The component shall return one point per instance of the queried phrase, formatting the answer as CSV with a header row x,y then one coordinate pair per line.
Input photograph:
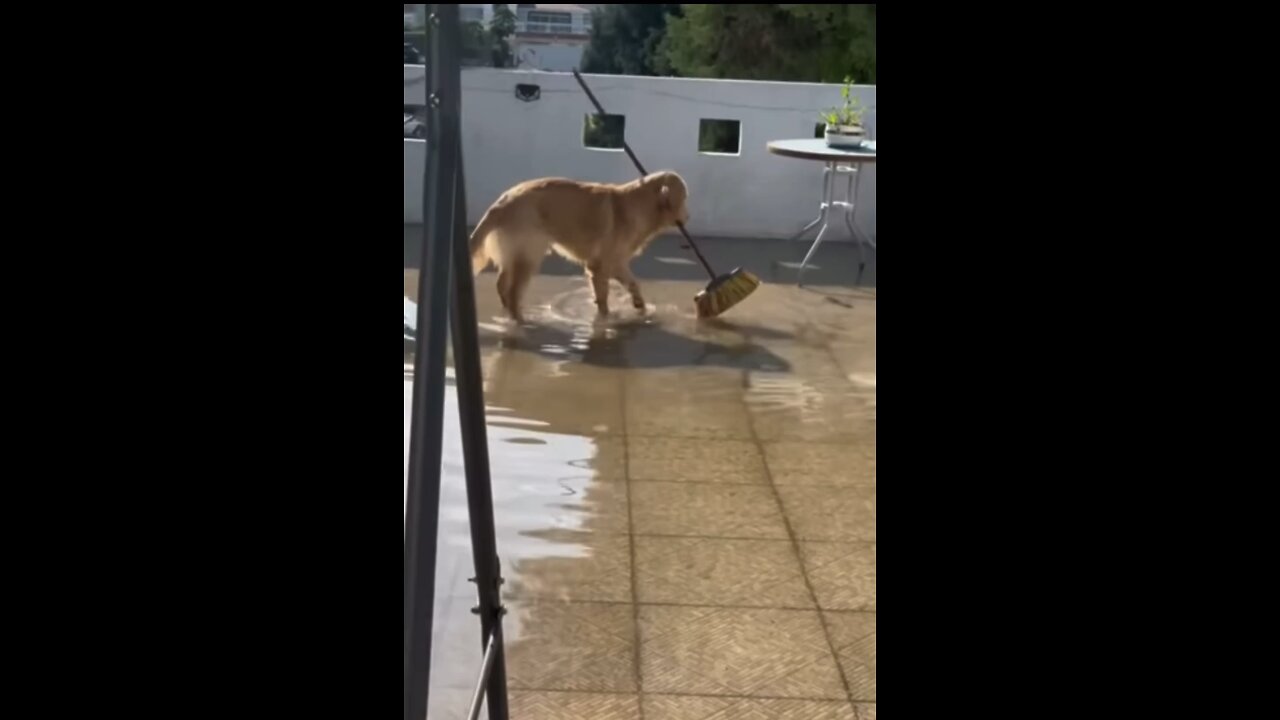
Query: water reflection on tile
x,y
597,569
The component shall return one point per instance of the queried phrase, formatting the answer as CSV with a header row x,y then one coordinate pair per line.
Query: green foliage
x,y
604,131
848,114
625,38
477,44
720,136
489,46
806,43
502,27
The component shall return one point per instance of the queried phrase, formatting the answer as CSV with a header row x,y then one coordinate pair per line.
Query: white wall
x,y
558,57
754,195
415,160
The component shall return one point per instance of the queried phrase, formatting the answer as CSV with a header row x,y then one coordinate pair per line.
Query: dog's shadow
x,y
644,344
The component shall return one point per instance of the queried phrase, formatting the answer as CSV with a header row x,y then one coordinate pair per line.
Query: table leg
x,y
850,218
822,207
828,190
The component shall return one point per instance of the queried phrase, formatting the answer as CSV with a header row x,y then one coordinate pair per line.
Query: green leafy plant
x,y
848,114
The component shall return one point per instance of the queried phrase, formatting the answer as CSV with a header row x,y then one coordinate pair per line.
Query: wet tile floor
x,y
686,511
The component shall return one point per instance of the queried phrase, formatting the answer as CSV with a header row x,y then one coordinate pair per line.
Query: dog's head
x,y
672,197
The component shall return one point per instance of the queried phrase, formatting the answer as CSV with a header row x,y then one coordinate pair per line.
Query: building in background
x,y
548,36
476,13
551,37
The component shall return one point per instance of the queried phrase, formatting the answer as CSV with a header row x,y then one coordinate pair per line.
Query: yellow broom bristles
x,y
725,292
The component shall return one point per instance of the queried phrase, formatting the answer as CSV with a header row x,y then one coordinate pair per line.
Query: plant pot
x,y
845,136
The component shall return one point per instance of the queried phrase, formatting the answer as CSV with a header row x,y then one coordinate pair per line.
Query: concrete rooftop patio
x,y
686,510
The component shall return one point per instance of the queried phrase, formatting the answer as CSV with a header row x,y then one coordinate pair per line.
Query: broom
x,y
724,291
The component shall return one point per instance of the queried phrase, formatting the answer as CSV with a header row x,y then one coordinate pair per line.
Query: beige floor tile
x,y
854,637
825,424
792,463
573,566
686,418
667,707
690,509
770,653
866,711
686,707
573,706
843,575
696,460
696,571
580,646
832,514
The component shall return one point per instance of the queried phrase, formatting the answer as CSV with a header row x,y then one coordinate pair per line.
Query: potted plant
x,y
844,124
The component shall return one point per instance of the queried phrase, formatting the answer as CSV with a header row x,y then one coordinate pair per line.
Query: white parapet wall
x,y
750,195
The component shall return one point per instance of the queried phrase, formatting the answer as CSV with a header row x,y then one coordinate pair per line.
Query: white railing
x,y
749,195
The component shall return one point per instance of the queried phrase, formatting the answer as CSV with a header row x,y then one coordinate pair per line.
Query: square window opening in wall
x,y
720,137
603,132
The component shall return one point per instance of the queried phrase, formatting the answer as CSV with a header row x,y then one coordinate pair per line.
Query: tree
x,y
625,38
502,27
477,44
810,43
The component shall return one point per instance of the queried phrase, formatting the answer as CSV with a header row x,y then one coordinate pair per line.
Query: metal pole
x,y
475,448
491,651
422,515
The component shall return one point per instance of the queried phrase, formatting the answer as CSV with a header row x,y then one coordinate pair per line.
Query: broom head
x,y
724,292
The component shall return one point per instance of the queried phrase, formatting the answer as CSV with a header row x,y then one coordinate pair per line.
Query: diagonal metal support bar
x,y
492,650
446,272
475,448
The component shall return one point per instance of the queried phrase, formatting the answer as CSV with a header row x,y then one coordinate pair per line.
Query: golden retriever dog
x,y
599,226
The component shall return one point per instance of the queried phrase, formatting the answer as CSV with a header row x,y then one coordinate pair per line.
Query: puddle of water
x,y
555,497
562,393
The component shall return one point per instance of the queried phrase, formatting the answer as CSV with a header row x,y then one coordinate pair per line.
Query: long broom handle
x,y
600,109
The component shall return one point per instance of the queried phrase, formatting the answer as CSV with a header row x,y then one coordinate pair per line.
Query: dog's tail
x,y
479,246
